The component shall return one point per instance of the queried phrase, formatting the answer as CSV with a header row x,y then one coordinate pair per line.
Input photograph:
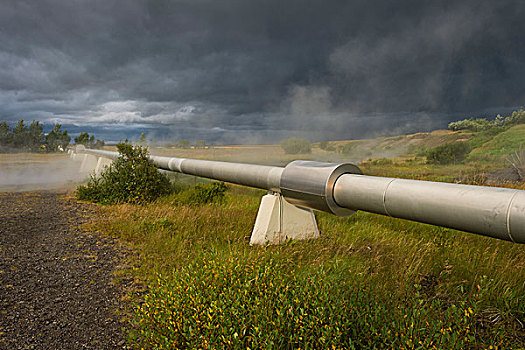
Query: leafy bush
x,y
517,117
227,303
296,145
471,124
202,194
481,124
132,178
448,153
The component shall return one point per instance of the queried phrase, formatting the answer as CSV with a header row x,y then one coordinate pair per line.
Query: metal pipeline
x,y
341,189
489,211
259,176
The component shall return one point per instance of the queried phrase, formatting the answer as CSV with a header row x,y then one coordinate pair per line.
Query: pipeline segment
x,y
341,189
252,175
489,211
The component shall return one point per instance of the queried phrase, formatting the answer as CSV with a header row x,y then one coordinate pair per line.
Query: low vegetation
x,y
202,193
296,145
448,153
368,282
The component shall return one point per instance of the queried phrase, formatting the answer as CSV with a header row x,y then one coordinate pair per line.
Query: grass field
x,y
368,282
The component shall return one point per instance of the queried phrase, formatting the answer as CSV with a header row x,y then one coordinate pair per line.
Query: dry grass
x,y
388,255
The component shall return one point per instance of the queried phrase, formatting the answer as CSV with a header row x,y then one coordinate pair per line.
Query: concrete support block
x,y
89,163
101,164
278,220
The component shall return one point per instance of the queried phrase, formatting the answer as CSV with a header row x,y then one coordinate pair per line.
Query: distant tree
x,y
5,136
82,139
471,124
296,145
20,133
63,138
200,144
57,139
32,138
51,141
88,141
35,136
481,124
184,144
517,117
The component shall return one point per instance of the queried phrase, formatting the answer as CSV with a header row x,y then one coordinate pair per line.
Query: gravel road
x,y
56,289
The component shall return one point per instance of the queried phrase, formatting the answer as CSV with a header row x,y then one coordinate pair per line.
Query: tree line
x,y
31,138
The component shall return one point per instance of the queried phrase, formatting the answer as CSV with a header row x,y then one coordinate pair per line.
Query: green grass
x,y
503,143
368,282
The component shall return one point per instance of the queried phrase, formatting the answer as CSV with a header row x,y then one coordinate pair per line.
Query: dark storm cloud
x,y
256,71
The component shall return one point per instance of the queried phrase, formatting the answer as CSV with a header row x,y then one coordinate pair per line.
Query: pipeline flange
x,y
310,184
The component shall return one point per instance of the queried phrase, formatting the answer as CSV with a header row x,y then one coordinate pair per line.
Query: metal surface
x,y
259,176
490,211
340,189
310,184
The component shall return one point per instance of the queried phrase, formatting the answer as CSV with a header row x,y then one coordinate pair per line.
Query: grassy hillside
x,y
502,144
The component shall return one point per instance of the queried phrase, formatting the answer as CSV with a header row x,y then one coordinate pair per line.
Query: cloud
x,y
265,69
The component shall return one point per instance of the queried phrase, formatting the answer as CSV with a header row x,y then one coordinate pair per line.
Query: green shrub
x,y
481,124
132,178
227,303
296,145
471,124
448,153
202,194
517,117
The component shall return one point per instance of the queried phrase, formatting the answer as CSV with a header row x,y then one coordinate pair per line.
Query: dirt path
x,y
56,289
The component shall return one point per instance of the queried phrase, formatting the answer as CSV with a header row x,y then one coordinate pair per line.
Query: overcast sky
x,y
259,70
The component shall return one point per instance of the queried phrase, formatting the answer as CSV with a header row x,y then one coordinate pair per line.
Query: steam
x,y
38,172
